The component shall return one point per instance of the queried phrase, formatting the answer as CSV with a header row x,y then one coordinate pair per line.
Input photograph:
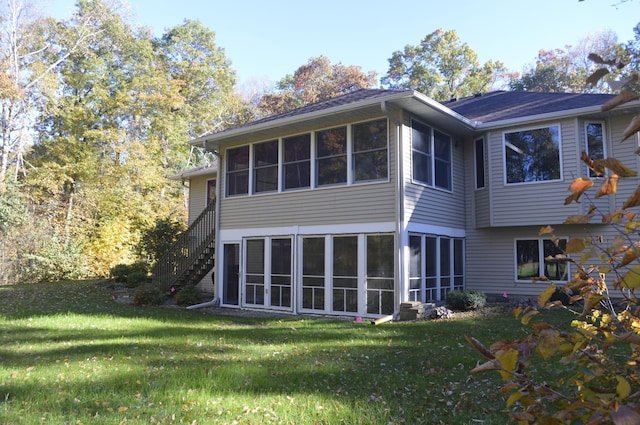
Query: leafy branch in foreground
x,y
595,375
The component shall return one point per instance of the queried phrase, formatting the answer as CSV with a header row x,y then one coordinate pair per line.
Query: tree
x,y
441,67
315,81
566,70
599,355
31,48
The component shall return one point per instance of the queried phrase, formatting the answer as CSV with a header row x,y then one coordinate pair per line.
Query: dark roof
x,y
345,99
503,105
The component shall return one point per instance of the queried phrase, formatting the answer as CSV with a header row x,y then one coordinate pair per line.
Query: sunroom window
x,y
532,155
370,150
331,156
265,166
297,161
238,171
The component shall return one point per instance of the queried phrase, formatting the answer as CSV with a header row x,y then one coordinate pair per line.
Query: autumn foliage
x,y
596,361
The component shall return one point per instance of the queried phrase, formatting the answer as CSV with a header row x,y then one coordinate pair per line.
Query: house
x,y
354,205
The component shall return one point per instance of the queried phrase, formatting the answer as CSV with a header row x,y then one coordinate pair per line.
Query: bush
x,y
189,295
131,274
148,294
466,300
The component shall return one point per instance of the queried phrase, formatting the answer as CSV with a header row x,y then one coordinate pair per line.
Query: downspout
x,y
399,203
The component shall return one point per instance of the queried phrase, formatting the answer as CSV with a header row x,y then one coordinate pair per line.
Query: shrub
x,y
131,274
148,294
189,295
466,300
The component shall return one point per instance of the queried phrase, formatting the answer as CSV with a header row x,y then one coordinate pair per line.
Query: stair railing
x,y
178,261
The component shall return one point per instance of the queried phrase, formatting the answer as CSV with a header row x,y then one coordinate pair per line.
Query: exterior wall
x,y
342,204
428,205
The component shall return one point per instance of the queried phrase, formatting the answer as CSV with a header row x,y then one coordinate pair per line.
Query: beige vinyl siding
x,y
427,205
625,152
197,196
367,202
538,203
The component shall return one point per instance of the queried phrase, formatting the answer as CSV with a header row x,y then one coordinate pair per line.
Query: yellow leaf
x,y
513,398
623,97
577,219
575,246
578,187
487,366
634,200
623,388
548,343
631,280
526,318
508,360
608,186
546,230
630,255
598,169
546,294
617,167
632,128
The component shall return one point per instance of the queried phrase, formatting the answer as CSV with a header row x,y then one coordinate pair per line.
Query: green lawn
x,y
69,354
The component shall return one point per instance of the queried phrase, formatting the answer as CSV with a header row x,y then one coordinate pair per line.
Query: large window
x,y
342,155
238,171
436,266
254,287
370,150
280,281
594,135
265,166
297,161
331,156
541,257
532,155
431,156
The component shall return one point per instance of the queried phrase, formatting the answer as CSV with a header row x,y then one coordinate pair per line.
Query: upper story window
x,y
348,154
479,167
532,155
594,135
265,167
238,171
331,156
431,156
296,164
370,151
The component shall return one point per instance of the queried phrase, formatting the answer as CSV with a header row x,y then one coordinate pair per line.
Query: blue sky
x,y
265,40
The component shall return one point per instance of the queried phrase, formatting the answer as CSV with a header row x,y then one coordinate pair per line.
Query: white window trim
x,y
540,258
313,158
504,154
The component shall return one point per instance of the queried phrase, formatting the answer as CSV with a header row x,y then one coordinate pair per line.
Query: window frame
x,y
586,141
431,157
515,148
370,151
349,161
297,162
541,259
257,168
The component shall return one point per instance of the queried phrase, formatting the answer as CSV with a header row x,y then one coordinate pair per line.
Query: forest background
x,y
96,113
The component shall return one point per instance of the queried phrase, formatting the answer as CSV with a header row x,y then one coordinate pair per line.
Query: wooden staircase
x,y
191,257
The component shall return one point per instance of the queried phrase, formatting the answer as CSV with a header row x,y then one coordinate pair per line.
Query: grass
x,y
69,354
